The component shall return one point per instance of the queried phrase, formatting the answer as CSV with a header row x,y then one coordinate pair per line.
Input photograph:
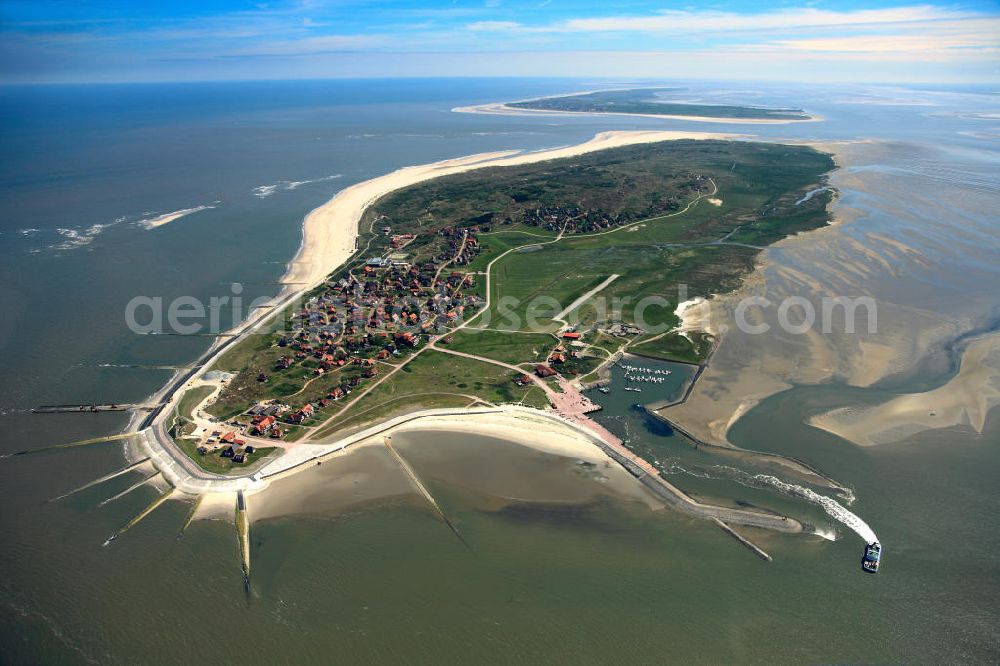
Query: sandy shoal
x,y
329,232
501,109
361,475
166,218
745,369
547,435
965,400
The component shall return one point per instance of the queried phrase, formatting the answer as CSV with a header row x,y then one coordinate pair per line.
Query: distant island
x,y
644,101
432,310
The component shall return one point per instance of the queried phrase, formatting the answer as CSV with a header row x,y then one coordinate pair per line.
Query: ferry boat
x,y
873,553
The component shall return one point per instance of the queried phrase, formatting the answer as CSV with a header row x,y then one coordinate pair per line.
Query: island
x,y
512,285
645,102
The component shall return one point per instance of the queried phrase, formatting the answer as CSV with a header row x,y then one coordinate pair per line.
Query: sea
x,y
576,574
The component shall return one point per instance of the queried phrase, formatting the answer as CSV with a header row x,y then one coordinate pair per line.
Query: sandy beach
x,y
542,434
695,315
329,232
364,472
501,109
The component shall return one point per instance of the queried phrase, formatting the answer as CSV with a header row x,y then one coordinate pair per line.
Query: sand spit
x,y
963,401
329,232
501,109
160,220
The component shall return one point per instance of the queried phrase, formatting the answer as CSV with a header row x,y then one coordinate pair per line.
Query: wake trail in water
x,y
832,507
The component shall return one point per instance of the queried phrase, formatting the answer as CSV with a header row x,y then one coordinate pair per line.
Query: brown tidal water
x,y
593,578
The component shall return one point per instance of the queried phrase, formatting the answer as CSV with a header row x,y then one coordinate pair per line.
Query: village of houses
x,y
352,329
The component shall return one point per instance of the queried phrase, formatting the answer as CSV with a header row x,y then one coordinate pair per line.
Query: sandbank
x,y
160,220
965,400
501,109
363,472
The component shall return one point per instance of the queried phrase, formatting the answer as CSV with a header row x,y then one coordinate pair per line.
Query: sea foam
x,y
262,191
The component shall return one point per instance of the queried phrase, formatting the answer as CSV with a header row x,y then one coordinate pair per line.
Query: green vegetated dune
x,y
644,101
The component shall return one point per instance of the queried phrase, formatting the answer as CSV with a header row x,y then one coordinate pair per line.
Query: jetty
x,y
572,407
92,408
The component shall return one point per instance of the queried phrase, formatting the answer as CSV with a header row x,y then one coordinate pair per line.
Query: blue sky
x,y
183,40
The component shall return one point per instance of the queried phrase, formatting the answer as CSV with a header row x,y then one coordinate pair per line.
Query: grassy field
x,y
675,347
432,380
215,463
513,348
190,399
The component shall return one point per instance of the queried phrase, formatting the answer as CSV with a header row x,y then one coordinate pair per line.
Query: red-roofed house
x,y
544,370
264,425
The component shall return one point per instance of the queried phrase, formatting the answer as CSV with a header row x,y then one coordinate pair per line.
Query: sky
x,y
46,41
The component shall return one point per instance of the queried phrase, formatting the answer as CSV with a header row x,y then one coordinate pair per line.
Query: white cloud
x,y
677,21
885,43
493,26
914,29
311,45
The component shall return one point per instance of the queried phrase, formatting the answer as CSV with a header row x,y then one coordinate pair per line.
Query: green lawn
x,y
215,463
432,380
191,398
508,347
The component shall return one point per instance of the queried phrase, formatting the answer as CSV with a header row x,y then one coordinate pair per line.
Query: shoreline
x,y
708,415
520,425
